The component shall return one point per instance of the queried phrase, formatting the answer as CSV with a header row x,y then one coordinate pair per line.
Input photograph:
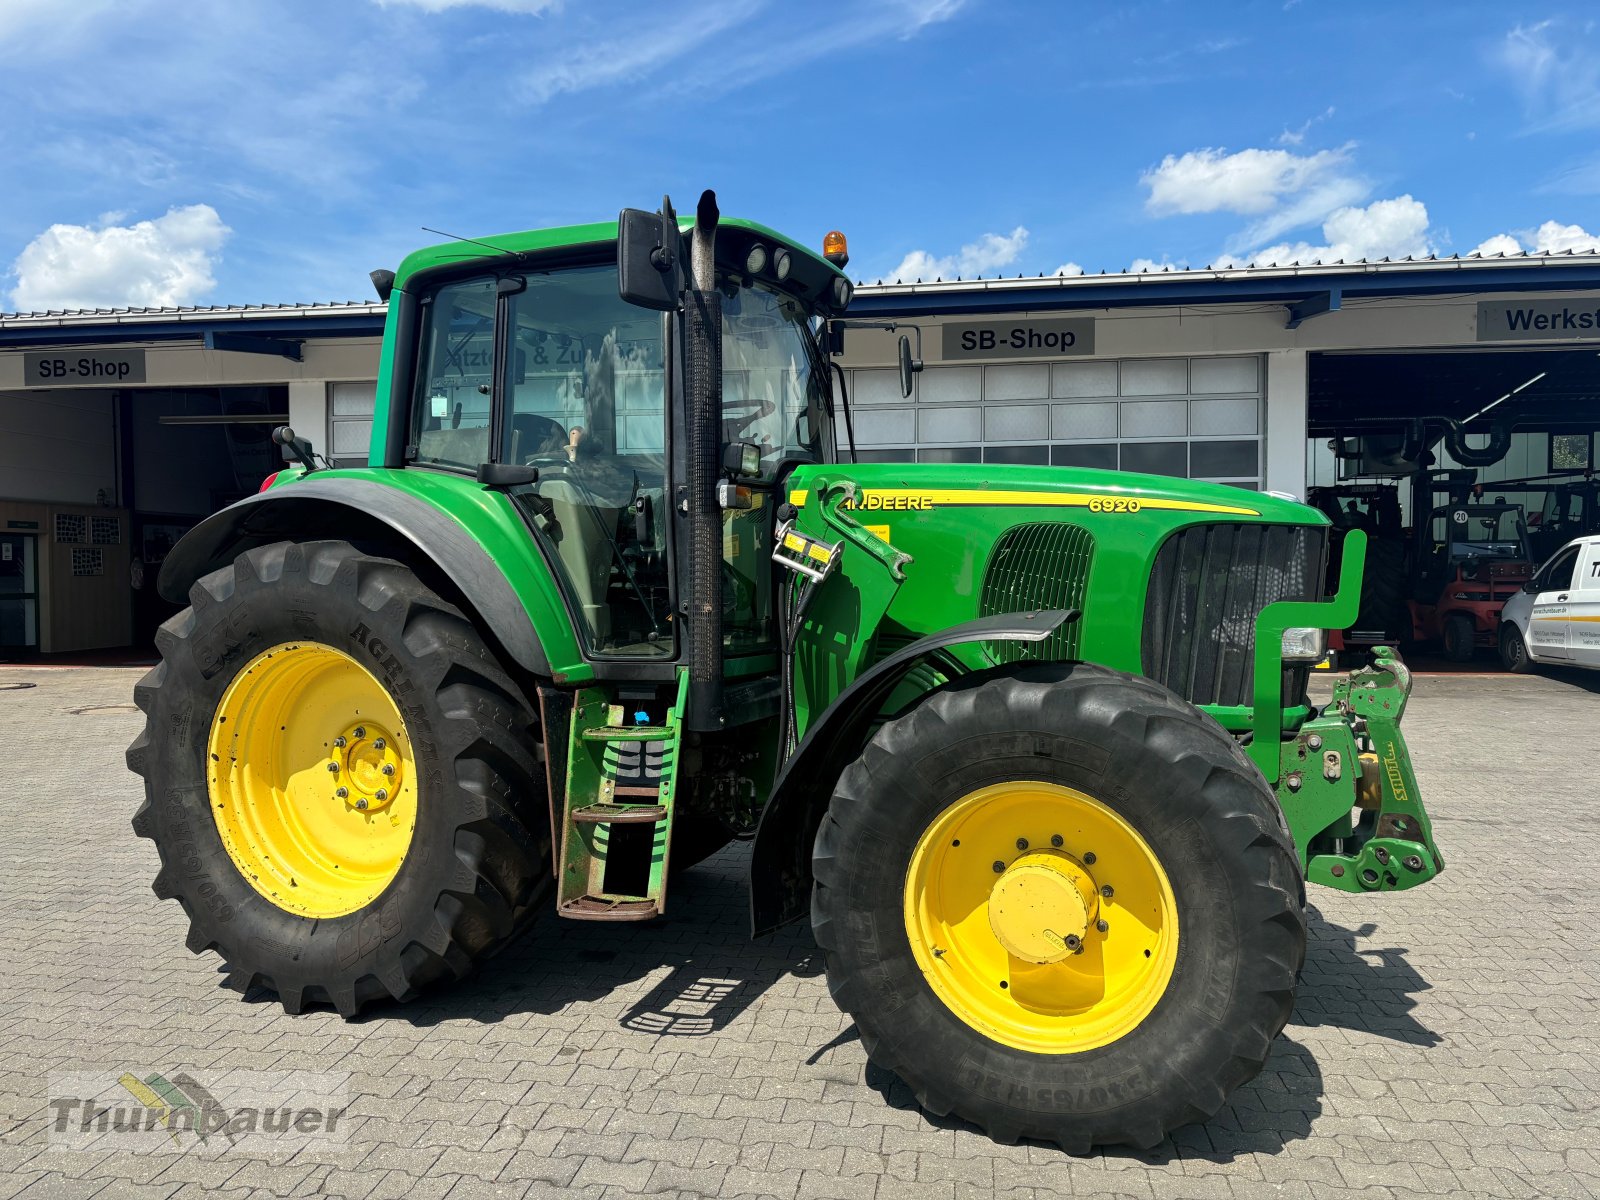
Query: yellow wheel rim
x,y
312,780
1041,918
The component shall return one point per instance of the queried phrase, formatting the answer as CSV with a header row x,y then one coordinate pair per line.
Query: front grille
x,y
1039,566
1207,587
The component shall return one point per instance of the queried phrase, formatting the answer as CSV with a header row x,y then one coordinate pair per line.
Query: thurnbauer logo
x,y
179,1113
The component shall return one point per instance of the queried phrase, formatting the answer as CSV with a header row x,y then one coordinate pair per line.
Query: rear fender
x,y
313,509
780,862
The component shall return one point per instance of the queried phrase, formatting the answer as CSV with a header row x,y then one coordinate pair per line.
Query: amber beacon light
x,y
834,248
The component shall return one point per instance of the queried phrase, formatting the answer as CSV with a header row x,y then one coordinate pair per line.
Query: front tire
x,y
341,782
1460,638
1514,650
1140,853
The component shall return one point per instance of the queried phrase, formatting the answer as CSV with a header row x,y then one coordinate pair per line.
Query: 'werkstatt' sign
x,y
1538,320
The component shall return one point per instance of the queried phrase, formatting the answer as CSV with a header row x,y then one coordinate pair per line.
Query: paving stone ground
x,y
1446,1040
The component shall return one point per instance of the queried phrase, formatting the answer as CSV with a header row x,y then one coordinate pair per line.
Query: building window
x,y
350,407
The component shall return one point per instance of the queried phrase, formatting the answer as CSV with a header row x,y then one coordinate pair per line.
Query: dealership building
x,y
120,429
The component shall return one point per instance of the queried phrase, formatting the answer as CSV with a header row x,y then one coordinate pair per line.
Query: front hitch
x,y
1349,792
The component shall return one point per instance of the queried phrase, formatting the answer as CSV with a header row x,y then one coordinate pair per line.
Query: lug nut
x,y
1101,925
382,793
388,768
998,866
342,793
333,768
1294,781
1089,859
1413,862
361,803
1022,843
1057,840
379,744
360,731
1107,892
1314,742
339,741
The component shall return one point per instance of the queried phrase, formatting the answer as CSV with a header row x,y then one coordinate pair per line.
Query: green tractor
x,y
1030,748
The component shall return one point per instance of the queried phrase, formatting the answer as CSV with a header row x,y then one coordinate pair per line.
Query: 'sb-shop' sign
x,y
82,368
1021,338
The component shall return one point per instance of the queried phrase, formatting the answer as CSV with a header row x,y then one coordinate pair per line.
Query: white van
x,y
1555,619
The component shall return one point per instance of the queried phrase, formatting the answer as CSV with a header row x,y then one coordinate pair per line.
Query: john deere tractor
x,y
1029,748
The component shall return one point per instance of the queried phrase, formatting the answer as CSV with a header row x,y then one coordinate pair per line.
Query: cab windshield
x,y
775,384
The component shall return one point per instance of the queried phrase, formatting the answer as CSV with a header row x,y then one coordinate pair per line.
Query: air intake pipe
x,y
702,597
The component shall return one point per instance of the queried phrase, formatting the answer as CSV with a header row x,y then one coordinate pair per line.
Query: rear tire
x,y
1192,799
1513,650
1460,638
476,862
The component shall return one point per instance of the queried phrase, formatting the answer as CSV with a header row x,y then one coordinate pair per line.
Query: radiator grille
x,y
1044,565
1207,587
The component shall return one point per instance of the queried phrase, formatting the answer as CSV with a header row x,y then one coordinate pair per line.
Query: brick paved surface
x,y
1447,1040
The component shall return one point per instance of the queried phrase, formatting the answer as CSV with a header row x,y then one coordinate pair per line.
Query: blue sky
x,y
276,150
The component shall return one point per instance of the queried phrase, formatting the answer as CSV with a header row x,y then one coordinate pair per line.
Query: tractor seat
x,y
535,436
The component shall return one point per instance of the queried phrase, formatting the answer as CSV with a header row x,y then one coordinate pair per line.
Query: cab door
x,y
1583,621
1552,606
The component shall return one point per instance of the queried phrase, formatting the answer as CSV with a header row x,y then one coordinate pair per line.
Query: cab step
x,y
616,818
608,908
620,814
627,733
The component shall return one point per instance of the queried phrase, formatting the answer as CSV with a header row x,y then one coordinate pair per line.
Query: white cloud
x,y
1067,268
1294,137
1500,243
1558,76
1246,182
509,6
989,253
1392,228
164,261
592,64
1550,238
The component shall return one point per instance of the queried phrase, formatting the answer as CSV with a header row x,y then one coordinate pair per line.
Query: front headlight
x,y
1304,645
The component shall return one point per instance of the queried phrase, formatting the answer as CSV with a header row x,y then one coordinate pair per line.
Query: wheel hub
x,y
367,764
1041,907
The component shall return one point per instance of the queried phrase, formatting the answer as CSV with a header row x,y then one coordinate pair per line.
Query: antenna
x,y
458,238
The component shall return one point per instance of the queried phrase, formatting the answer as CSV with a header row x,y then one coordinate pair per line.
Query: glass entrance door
x,y
19,594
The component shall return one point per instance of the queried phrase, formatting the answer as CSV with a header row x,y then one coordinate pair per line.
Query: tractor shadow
x,y
715,970
1369,991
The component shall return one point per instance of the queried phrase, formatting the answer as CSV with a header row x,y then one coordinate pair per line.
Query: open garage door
x,y
1466,468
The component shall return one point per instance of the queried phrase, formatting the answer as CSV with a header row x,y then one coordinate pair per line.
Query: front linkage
x,y
1350,757
1353,758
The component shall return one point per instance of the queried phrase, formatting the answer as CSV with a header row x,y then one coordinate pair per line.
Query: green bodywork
x,y
919,553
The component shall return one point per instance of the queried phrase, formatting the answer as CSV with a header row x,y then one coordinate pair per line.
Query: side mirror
x,y
650,257
1531,586
908,366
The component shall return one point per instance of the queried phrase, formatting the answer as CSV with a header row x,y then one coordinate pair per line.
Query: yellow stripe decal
x,y
913,499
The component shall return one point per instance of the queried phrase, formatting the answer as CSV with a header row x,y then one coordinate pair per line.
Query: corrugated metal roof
x,y
1318,271
197,312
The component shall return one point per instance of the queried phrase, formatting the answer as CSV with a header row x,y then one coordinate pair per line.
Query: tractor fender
x,y
780,861
313,509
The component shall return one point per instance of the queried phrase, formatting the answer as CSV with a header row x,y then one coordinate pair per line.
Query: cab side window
x,y
455,368
1557,577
